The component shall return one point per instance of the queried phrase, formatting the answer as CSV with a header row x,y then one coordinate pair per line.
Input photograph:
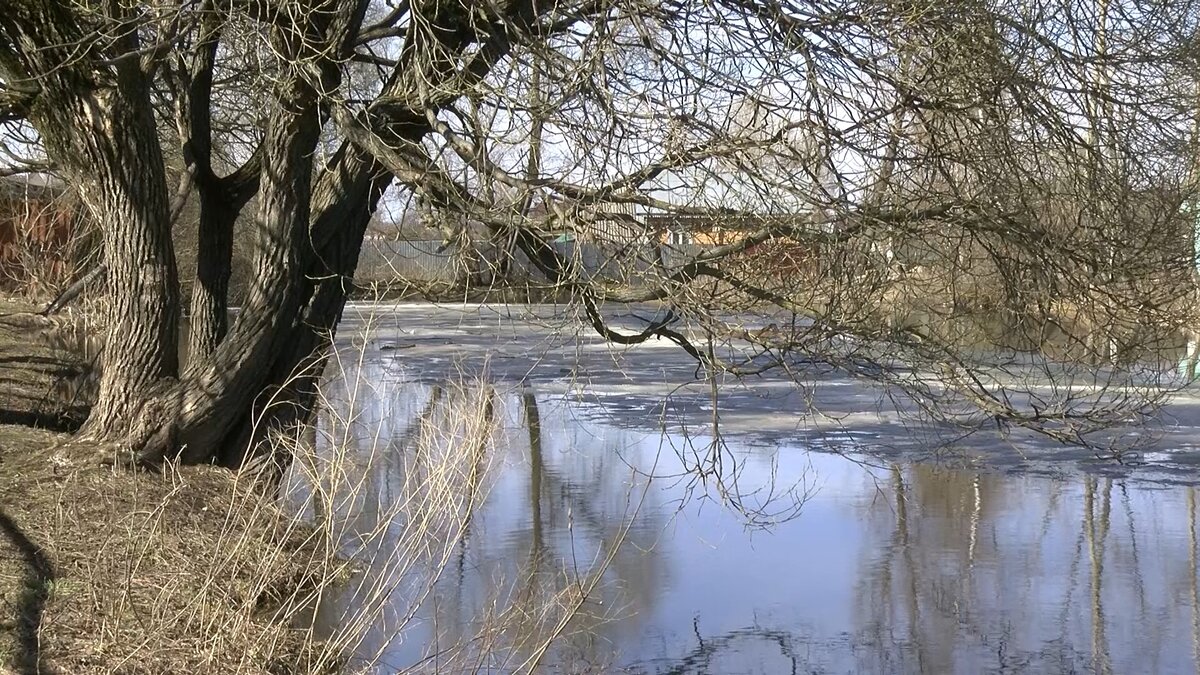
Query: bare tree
x,y
953,131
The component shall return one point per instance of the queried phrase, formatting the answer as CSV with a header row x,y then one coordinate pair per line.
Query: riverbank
x,y
47,367
185,571
443,292
102,570
188,571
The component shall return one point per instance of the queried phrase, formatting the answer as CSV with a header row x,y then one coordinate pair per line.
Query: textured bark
x,y
308,306
210,292
102,131
99,127
347,197
128,191
221,203
121,175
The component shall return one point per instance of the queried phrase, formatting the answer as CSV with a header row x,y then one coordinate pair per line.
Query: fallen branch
x,y
73,291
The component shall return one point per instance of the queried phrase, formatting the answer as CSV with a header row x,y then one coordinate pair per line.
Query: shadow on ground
x,y
37,578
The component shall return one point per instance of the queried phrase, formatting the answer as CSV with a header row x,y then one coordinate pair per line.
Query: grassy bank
x,y
412,291
184,571
47,367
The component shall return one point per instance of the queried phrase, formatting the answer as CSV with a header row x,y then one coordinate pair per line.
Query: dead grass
x,y
438,291
112,572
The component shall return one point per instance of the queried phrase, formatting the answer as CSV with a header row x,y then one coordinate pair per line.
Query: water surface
x,y
766,550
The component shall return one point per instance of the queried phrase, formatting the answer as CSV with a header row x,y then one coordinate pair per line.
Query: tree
x,y
318,106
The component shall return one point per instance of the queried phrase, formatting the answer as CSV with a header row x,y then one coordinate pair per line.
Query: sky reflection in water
x,y
888,567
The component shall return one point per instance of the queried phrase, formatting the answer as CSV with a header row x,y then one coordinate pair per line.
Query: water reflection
x,y
889,568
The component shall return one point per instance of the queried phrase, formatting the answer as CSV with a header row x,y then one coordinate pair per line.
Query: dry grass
x,y
47,366
109,572
401,290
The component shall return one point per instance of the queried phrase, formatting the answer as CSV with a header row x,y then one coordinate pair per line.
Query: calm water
x,y
865,564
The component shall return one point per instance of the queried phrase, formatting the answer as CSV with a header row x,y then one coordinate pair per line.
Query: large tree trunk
x,y
215,392
99,126
118,169
348,197
210,292
267,367
141,349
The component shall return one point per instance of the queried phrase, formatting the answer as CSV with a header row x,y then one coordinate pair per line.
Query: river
x,y
581,494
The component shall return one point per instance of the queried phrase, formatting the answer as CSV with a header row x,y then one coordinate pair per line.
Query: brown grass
x,y
438,291
47,367
113,572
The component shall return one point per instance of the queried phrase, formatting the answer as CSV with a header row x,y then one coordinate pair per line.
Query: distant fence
x,y
384,260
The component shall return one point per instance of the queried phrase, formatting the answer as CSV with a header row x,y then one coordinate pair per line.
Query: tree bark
x,y
126,183
118,169
214,262
348,198
99,127
221,203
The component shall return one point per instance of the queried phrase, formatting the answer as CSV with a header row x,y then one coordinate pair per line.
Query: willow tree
x,y
811,130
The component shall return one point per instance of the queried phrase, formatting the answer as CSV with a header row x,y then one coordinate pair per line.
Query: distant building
x,y
38,223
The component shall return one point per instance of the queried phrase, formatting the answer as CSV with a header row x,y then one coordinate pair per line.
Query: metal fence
x,y
385,259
